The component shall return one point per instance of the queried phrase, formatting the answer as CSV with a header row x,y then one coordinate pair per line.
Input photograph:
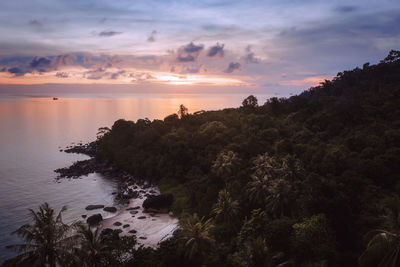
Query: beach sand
x,y
152,229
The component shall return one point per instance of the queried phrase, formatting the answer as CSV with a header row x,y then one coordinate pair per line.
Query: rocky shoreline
x,y
141,209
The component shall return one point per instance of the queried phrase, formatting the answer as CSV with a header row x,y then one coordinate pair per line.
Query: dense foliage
x,y
48,241
304,178
302,181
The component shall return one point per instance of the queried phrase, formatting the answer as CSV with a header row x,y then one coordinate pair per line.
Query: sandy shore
x,y
152,229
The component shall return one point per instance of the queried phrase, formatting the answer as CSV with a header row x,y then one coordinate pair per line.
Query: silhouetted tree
x,y
183,111
48,240
250,102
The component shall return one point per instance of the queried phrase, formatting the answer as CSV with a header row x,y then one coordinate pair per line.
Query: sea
x,y
35,127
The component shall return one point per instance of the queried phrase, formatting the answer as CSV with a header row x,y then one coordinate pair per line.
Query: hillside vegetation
x,y
299,181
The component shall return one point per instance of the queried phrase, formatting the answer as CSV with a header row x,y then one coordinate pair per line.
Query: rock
x,y
114,193
125,226
142,237
117,224
160,203
142,217
132,231
170,213
94,219
133,212
136,208
110,209
94,207
106,231
153,192
84,216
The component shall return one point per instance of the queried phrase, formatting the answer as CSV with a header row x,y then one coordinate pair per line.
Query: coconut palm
x,y
48,240
225,164
257,188
273,181
226,209
383,248
93,251
254,252
280,197
196,233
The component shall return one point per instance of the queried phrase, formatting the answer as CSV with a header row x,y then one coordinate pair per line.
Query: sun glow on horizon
x,y
118,76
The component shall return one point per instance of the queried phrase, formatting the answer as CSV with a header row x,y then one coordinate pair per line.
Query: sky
x,y
271,47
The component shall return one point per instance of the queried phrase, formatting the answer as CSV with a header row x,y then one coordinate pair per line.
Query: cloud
x,y
193,69
187,58
96,74
141,77
16,71
216,50
346,9
115,75
232,67
109,33
40,62
35,22
250,56
152,37
192,48
189,53
62,75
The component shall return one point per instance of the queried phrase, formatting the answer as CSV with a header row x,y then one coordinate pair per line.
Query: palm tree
x,y
93,251
254,252
258,252
279,197
257,188
196,233
47,240
273,182
226,209
383,248
225,164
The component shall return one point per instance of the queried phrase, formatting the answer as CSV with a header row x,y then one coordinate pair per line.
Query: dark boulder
x,y
132,231
160,203
106,231
110,209
117,224
94,219
125,226
94,207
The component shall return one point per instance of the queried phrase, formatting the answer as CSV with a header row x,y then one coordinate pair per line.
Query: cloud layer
x,y
275,47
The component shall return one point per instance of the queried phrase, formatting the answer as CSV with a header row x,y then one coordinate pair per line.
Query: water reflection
x,y
33,128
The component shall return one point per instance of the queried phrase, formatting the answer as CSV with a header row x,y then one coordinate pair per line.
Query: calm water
x,y
32,130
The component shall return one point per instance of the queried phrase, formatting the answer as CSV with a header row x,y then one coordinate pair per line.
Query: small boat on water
x,y
55,98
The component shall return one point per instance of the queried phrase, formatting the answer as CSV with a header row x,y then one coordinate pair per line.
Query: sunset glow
x,y
250,46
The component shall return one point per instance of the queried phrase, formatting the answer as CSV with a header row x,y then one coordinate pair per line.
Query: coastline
x,y
151,228
130,217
